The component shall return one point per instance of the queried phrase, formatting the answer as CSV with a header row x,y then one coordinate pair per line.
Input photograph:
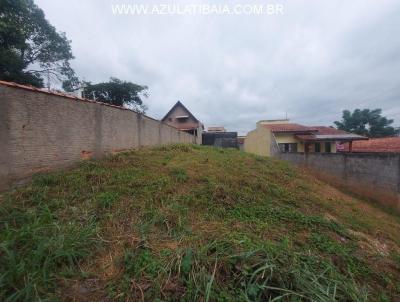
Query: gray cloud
x,y
317,59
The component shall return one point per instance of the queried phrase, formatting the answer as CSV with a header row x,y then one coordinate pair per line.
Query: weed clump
x,y
105,200
179,174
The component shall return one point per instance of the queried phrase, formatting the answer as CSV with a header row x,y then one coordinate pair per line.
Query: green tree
x,y
117,92
367,122
31,49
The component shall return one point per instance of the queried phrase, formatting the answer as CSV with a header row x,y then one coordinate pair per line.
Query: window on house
x,y
288,147
317,147
328,148
182,118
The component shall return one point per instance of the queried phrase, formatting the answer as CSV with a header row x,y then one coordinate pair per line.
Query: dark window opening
x,y
317,147
182,118
328,148
288,147
284,147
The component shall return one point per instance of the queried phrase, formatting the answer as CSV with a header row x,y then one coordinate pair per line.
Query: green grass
x,y
191,223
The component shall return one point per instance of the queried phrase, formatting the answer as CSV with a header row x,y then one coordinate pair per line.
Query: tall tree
x,y
119,93
31,50
367,122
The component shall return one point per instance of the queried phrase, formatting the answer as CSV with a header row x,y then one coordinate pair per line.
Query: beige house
x,y
274,136
181,118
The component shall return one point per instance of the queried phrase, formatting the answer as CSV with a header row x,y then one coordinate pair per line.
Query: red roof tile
x,y
328,134
331,137
324,130
289,127
313,133
385,145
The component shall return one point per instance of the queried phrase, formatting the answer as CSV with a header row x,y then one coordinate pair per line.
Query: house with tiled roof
x,y
375,145
274,136
181,118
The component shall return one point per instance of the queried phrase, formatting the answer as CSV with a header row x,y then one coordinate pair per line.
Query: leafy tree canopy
x,y
117,92
30,47
367,122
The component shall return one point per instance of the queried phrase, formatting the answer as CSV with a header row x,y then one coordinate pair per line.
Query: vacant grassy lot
x,y
189,223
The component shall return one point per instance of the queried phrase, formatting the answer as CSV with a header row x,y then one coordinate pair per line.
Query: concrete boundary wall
x,y
372,175
41,131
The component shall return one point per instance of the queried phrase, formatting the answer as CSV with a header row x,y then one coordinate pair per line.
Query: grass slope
x,y
190,223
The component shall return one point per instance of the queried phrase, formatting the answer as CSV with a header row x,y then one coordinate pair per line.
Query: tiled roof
x,y
331,137
289,127
328,133
324,130
313,133
385,145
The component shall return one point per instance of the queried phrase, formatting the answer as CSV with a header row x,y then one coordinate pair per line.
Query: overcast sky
x,y
311,62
